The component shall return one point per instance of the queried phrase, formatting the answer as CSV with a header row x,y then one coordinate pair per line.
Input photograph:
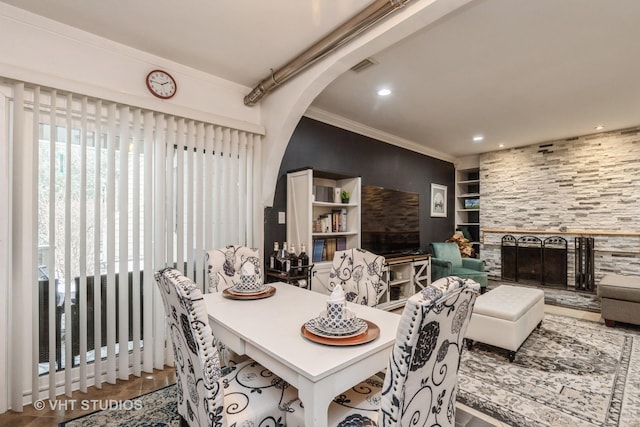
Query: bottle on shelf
x,y
303,259
273,258
292,259
282,258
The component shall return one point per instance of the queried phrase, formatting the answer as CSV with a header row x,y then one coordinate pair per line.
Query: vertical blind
x,y
118,193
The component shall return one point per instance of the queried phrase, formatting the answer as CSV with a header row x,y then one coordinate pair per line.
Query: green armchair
x,y
447,261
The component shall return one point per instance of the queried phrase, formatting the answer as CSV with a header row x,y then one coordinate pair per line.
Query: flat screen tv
x,y
390,220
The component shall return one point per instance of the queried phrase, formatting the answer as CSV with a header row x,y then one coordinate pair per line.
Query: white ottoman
x,y
505,316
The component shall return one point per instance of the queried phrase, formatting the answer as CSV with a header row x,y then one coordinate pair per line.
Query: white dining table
x,y
269,331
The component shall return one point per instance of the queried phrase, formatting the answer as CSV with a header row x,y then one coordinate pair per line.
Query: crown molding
x,y
356,127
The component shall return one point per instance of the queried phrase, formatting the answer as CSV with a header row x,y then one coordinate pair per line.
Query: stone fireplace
x,y
584,189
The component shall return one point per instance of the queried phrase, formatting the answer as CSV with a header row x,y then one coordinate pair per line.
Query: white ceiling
x,y
516,71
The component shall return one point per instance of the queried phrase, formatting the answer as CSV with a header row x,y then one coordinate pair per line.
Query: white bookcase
x,y
468,204
303,208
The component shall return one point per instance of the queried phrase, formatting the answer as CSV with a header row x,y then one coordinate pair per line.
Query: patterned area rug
x,y
569,372
155,409
572,299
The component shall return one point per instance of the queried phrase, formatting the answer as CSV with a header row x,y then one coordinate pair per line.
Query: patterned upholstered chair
x,y
224,268
360,274
247,395
224,265
420,384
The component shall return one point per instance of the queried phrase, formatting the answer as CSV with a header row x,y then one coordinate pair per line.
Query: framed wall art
x,y
439,200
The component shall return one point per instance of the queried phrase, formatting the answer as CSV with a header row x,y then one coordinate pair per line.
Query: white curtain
x,y
101,195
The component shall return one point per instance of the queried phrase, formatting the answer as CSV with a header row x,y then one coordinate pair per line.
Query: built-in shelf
x,y
346,233
468,194
334,205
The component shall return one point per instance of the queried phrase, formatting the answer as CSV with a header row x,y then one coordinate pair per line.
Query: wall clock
x,y
161,84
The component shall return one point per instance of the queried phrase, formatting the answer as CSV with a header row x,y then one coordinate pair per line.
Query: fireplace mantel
x,y
554,232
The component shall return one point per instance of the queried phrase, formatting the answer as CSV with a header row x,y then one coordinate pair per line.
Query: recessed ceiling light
x,y
384,92
599,127
478,138
501,145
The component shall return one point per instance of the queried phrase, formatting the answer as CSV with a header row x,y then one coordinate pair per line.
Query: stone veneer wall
x,y
589,183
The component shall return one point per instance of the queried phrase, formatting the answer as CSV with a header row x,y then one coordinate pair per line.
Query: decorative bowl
x,y
348,321
249,284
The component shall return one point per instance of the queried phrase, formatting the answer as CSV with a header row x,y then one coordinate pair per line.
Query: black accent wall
x,y
328,148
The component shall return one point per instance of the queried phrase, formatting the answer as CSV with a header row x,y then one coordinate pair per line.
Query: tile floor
x,y
122,390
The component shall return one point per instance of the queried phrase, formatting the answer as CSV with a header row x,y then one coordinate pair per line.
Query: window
x,y
118,194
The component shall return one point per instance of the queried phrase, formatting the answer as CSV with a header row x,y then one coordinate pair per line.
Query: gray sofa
x,y
620,299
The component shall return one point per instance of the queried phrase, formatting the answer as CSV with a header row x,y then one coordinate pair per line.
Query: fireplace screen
x,y
508,256
530,259
554,261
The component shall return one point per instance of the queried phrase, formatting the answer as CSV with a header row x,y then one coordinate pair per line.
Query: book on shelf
x,y
338,220
318,250
334,222
336,216
331,249
325,249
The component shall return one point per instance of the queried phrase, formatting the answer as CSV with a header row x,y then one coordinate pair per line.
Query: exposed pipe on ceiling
x,y
369,16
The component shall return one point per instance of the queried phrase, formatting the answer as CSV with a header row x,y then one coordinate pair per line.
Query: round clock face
x,y
161,84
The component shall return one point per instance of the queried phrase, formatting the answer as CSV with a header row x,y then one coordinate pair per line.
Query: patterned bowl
x,y
348,321
249,284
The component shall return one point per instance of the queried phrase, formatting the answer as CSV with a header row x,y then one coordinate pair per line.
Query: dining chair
x,y
420,383
360,274
224,268
224,265
248,394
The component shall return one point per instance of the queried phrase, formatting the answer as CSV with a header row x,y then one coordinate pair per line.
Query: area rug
x,y
572,299
155,409
569,372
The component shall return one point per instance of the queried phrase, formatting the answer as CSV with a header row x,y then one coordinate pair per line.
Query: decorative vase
x,y
345,200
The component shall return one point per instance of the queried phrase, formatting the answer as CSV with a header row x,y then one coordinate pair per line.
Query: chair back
x,y
198,374
224,266
360,274
448,251
420,384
